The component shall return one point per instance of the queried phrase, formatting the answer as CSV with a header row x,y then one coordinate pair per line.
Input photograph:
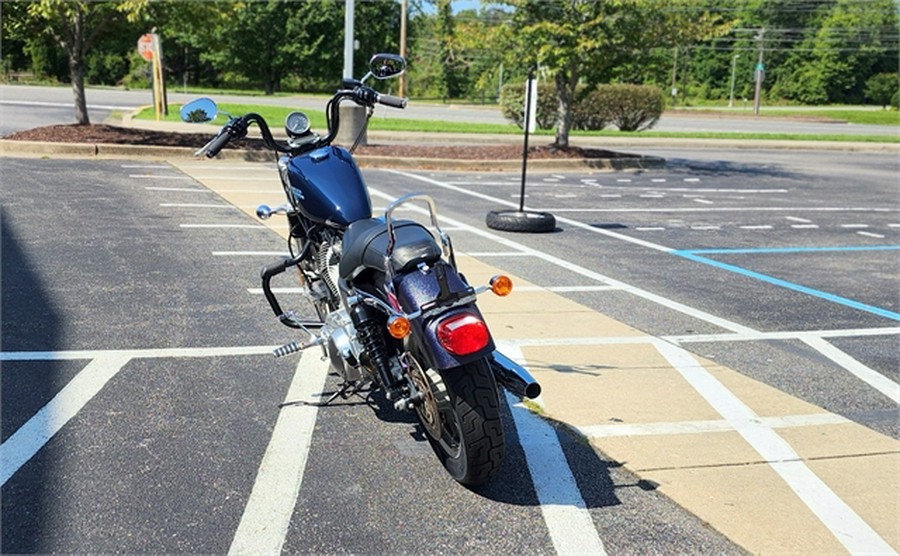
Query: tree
x,y
881,87
587,40
75,25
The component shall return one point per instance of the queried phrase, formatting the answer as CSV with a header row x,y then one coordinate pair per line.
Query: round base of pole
x,y
521,221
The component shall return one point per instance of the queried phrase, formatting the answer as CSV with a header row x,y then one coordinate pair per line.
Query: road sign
x,y
760,67
145,47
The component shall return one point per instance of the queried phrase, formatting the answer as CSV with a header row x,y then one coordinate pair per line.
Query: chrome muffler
x,y
514,377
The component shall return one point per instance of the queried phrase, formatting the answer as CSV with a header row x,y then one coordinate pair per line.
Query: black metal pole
x,y
525,148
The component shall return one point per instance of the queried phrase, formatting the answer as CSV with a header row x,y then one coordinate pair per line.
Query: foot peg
x,y
291,348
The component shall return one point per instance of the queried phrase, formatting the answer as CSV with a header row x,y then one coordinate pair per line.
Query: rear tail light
x,y
463,334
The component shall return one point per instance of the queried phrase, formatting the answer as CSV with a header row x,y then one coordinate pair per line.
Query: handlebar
x,y
359,93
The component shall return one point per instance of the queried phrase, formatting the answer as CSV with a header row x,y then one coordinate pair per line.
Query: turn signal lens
x,y
398,327
501,285
463,334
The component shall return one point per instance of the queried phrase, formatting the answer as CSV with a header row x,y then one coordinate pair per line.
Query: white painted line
x,y
854,226
267,515
147,166
250,254
893,225
844,523
760,227
623,180
703,201
795,219
702,228
692,180
34,434
870,234
566,196
658,180
871,377
559,177
568,520
225,226
497,254
804,226
651,196
191,189
259,291
611,196
134,353
699,427
154,177
196,205
723,209
649,228
785,335
563,289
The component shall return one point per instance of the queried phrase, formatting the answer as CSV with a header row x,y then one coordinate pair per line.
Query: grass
x,y
275,115
852,115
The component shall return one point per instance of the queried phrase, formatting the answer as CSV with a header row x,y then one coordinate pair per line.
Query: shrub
x,y
512,103
895,101
629,107
588,112
881,88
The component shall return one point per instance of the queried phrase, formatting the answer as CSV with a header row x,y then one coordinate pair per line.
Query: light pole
x,y
733,65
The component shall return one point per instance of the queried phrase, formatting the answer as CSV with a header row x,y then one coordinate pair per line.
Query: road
x,y
14,99
777,266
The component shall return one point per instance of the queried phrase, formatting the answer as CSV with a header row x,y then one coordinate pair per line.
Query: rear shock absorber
x,y
368,322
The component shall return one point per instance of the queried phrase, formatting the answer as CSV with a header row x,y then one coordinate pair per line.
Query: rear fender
x,y
416,293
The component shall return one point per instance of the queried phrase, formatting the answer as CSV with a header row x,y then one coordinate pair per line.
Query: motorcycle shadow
x,y
597,479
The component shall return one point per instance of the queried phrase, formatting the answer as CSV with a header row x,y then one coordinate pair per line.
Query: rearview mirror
x,y
385,66
199,111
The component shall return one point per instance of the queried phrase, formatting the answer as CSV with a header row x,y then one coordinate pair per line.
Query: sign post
x,y
150,48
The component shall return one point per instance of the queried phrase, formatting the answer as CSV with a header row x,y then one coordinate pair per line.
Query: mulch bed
x,y
112,135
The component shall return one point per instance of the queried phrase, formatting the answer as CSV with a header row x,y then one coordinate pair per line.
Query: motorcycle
x,y
394,313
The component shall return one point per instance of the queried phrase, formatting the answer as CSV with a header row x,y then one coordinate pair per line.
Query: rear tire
x,y
471,444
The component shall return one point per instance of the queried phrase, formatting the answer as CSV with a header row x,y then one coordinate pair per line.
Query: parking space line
x,y
565,513
190,189
23,444
225,226
870,234
249,254
267,515
699,427
197,205
842,521
871,377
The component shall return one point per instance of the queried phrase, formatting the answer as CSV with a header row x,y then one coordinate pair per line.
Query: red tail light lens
x,y
463,334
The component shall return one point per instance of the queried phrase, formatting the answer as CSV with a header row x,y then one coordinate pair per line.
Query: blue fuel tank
x,y
327,186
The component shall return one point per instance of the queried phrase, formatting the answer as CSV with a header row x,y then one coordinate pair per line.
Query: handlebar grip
x,y
390,100
217,143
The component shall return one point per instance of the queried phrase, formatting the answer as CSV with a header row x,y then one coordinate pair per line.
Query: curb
x,y
626,162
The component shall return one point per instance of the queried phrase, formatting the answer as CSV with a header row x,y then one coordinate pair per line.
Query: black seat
x,y
366,241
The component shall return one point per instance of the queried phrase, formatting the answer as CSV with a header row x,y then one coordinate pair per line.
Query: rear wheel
x,y
461,416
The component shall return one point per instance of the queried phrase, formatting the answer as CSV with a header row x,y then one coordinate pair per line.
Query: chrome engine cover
x,y
343,348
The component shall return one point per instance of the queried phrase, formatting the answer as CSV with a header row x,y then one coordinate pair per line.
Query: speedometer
x,y
296,124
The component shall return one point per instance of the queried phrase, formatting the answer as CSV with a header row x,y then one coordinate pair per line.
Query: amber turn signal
x,y
501,285
398,327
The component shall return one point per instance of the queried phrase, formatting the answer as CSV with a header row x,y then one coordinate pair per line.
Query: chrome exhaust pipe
x,y
514,377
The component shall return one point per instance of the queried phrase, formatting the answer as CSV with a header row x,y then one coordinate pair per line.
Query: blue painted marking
x,y
693,255
794,249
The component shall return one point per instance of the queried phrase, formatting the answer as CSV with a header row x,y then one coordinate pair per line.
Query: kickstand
x,y
346,390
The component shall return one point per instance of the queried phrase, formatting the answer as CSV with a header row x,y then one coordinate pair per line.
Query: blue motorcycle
x,y
393,311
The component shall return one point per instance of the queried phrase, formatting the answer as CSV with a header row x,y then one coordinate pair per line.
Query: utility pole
x,y
404,8
674,91
348,39
760,73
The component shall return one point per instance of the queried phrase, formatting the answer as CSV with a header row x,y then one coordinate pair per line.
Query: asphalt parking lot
x,y
754,266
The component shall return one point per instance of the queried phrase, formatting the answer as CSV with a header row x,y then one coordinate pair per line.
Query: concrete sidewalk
x,y
773,473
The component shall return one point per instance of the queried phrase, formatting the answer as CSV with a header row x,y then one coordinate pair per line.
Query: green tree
x,y
75,25
587,40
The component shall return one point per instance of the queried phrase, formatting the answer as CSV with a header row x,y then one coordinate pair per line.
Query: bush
x,y
629,107
895,101
512,103
881,88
